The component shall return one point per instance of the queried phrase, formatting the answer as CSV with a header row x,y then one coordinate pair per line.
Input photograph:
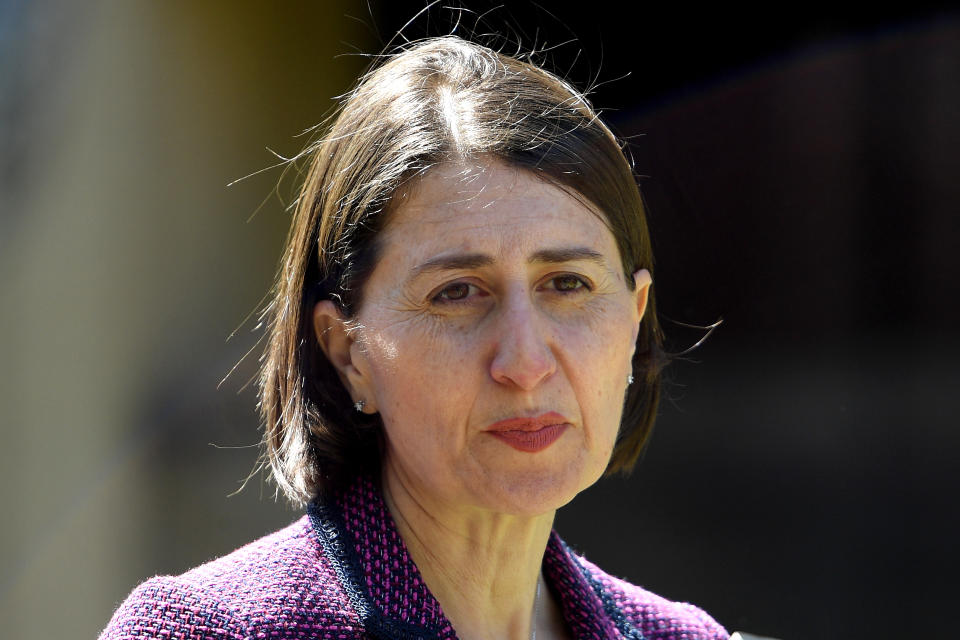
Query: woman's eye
x,y
566,283
455,292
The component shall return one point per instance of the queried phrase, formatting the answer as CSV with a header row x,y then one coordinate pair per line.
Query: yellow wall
x,y
127,262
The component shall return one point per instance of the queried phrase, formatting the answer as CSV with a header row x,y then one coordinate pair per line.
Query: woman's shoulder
x,y
282,580
657,617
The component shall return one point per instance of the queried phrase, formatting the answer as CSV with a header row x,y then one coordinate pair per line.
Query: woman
x,y
462,338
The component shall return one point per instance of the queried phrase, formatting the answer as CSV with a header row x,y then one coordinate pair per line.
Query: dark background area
x,y
801,169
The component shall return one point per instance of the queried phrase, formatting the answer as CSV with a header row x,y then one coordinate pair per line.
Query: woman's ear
x,y
641,288
336,342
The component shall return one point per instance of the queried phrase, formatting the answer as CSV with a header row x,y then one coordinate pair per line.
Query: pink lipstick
x,y
530,434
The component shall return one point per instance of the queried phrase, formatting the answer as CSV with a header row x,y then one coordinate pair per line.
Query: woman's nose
x,y
523,357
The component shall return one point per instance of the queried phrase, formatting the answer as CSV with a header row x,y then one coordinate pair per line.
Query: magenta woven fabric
x,y
343,572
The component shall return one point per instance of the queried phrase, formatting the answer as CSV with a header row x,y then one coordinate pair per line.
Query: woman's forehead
x,y
480,205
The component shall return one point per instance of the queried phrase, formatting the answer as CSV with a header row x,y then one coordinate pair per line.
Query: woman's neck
x,y
482,567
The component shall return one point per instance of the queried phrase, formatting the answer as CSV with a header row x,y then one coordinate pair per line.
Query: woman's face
x,y
495,339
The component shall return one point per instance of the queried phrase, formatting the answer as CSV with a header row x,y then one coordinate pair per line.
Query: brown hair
x,y
440,99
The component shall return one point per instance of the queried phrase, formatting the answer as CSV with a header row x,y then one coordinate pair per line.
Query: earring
x,y
629,378
358,405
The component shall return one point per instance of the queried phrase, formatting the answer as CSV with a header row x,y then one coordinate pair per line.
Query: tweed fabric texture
x,y
342,572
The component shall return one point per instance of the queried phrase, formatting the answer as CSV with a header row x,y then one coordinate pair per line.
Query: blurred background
x,y
801,168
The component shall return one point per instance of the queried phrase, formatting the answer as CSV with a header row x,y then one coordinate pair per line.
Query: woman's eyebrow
x,y
452,262
477,260
568,254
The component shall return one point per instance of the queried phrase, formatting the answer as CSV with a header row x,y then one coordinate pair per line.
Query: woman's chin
x,y
530,492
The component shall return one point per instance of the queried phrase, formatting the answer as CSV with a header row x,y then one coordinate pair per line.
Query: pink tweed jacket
x,y
342,572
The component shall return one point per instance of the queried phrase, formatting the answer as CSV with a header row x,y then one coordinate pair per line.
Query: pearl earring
x,y
358,405
629,378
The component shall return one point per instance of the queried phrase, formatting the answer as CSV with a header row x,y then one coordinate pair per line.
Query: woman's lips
x,y
530,434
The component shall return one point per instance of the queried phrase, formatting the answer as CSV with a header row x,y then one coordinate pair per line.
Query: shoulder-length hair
x,y
438,100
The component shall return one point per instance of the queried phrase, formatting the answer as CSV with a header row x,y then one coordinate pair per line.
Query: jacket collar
x,y
388,593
